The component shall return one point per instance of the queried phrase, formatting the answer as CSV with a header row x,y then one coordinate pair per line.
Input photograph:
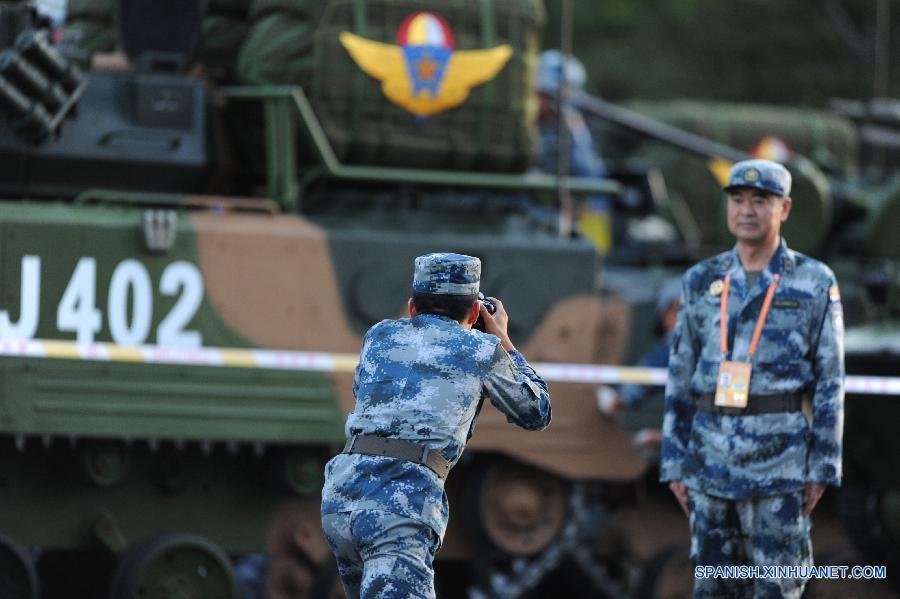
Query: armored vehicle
x,y
197,231
193,248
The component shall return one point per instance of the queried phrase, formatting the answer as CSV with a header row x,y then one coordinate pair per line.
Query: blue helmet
x,y
548,71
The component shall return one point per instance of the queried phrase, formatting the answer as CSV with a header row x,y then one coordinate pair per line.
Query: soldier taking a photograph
x,y
419,388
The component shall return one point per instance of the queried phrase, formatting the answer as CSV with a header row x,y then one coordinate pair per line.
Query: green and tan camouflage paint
x,y
268,281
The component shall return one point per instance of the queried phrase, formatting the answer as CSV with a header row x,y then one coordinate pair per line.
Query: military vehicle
x,y
194,241
189,264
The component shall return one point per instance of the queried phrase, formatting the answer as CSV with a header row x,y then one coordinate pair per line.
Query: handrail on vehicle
x,y
175,201
281,103
130,198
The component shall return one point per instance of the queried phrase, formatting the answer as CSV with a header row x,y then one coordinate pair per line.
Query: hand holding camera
x,y
493,319
486,304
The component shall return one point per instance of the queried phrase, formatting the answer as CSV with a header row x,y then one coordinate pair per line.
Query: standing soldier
x,y
760,328
419,387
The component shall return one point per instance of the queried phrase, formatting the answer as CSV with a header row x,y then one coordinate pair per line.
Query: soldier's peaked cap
x,y
447,274
760,174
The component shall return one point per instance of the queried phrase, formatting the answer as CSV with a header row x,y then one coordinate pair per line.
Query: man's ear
x,y
786,208
474,312
411,306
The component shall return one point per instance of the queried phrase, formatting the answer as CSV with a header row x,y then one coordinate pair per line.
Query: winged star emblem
x,y
423,74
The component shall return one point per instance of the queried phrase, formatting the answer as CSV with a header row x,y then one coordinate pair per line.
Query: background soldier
x,y
631,397
583,157
750,470
418,388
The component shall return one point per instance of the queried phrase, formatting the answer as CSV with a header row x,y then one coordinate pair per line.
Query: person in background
x,y
631,397
595,218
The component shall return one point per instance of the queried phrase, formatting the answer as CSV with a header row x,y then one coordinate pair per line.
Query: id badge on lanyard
x,y
733,379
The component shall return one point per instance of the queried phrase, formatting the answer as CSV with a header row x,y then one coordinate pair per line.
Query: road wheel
x,y
871,517
301,565
174,566
18,578
668,574
519,510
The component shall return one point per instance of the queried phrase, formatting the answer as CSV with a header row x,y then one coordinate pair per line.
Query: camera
x,y
489,305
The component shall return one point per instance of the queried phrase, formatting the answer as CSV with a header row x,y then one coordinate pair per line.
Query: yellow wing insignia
x,y
384,62
469,68
389,64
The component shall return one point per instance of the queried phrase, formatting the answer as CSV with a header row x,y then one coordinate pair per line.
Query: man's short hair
x,y
456,307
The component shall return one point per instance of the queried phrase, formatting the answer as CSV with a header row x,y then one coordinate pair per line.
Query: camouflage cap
x,y
761,174
447,274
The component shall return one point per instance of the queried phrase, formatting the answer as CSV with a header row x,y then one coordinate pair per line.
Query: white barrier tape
x,y
25,349
875,385
600,374
615,375
334,362
201,356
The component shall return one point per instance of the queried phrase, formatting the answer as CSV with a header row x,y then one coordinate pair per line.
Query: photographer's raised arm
x,y
512,385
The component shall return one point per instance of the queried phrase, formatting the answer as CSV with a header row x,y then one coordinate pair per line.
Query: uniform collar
x,y
783,263
432,316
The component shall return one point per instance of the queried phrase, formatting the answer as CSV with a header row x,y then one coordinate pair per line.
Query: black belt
x,y
398,448
758,404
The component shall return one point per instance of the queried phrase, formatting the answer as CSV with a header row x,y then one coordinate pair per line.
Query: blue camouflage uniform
x,y
746,474
419,379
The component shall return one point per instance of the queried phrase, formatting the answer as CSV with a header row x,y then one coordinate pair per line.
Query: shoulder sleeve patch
x,y
833,294
837,318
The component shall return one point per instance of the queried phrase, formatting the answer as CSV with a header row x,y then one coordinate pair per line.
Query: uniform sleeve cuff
x,y
824,475
669,472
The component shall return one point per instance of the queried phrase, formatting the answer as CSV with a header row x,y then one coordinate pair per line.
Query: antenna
x,y
882,49
566,207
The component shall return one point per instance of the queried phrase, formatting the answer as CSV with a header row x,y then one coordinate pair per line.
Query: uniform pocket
x,y
787,331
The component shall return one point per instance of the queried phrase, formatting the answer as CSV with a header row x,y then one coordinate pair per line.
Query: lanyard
x,y
723,320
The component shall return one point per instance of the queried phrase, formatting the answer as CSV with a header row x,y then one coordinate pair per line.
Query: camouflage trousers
x,y
383,555
764,531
